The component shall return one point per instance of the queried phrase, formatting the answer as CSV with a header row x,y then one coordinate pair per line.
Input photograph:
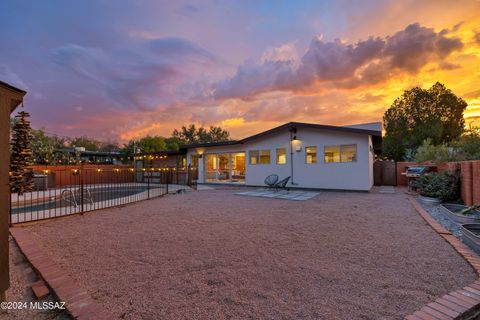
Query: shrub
x,y
446,187
428,152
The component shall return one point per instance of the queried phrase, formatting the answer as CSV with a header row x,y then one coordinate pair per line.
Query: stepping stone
x,y
40,289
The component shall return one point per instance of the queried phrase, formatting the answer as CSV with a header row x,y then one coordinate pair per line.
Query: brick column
x,y
475,181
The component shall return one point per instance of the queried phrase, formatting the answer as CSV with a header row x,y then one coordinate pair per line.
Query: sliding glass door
x,y
225,167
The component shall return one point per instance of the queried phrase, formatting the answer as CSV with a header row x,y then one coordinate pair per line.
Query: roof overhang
x,y
16,95
376,134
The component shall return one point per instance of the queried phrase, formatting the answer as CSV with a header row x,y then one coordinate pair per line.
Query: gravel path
x,y
216,255
21,279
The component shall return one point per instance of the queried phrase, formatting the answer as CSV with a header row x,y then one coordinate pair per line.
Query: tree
x,y
436,114
173,143
144,145
86,142
21,178
44,147
192,134
152,144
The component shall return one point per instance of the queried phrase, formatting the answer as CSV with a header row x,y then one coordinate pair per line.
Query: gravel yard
x,y
216,255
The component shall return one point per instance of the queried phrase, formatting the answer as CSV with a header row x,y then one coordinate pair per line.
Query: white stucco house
x,y
312,155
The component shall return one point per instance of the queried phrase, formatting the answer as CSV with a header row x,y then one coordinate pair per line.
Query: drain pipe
x,y
292,137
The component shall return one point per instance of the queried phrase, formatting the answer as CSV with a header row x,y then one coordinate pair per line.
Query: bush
x,y
441,153
446,187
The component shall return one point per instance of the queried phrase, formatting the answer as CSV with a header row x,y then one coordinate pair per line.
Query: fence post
x,y
167,178
148,185
81,188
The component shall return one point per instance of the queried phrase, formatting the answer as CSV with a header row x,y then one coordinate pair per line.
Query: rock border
x,y
460,304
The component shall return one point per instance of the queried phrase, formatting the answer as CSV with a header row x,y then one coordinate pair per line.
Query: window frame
x,y
256,157
269,156
276,155
306,155
340,152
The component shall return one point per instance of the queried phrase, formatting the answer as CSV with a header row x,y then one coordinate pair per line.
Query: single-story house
x,y
312,155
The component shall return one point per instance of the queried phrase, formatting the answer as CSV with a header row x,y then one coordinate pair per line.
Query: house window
x,y
259,157
265,156
311,154
253,156
281,156
342,153
348,153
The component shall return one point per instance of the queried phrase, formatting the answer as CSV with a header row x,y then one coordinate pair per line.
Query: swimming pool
x,y
59,202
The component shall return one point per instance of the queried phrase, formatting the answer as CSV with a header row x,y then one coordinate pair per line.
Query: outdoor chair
x,y
281,184
271,180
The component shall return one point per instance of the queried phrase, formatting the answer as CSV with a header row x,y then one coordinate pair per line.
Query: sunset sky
x,y
117,70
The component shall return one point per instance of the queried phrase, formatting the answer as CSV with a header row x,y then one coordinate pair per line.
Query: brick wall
x,y
469,173
467,182
476,181
402,167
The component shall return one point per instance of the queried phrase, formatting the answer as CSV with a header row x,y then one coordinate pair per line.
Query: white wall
x,y
356,175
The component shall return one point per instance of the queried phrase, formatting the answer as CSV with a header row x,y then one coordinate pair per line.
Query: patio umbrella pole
x,y
292,130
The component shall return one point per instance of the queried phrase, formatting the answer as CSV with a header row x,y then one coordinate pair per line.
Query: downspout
x,y
292,131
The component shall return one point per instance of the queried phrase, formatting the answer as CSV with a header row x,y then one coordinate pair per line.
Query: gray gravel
x,y
448,224
216,255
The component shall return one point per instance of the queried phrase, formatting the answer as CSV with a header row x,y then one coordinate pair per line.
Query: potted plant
x,y
435,188
461,214
471,235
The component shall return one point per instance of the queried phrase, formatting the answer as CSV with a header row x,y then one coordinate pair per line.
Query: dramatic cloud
x,y
342,64
139,77
123,69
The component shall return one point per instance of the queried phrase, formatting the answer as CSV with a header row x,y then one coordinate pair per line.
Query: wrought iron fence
x,y
66,191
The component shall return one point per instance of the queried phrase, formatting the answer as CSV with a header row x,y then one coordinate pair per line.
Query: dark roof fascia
x,y
12,88
288,125
313,126
166,152
211,144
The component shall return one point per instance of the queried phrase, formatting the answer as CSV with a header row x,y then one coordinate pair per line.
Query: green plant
x,y
446,187
441,153
470,209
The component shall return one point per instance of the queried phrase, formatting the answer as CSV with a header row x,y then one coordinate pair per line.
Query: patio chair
x,y
281,184
271,180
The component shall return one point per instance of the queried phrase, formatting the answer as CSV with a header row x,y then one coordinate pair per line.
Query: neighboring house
x,y
10,98
312,155
65,155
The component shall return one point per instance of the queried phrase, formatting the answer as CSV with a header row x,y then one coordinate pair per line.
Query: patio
x,y
213,254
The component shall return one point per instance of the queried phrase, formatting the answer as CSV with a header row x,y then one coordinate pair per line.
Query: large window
x,y
311,154
259,157
281,156
342,153
225,167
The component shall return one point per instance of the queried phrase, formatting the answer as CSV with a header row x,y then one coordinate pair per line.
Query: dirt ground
x,y
21,279
217,255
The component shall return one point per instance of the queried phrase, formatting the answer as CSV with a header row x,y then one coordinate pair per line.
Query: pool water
x,y
97,195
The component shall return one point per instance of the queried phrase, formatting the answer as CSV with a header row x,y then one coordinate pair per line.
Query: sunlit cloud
x,y
147,69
